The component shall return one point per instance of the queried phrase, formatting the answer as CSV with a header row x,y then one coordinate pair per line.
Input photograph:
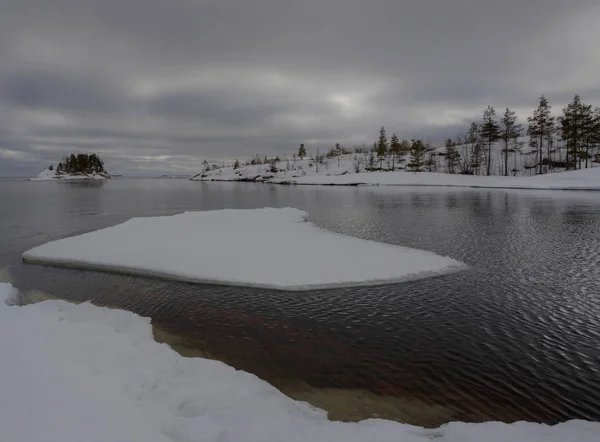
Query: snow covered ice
x,y
272,248
73,373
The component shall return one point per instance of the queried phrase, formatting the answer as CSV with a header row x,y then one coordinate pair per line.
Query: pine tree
x,y
489,131
540,125
382,147
338,152
371,158
472,141
509,131
571,129
595,134
205,166
236,165
590,133
418,152
302,152
72,163
394,149
452,157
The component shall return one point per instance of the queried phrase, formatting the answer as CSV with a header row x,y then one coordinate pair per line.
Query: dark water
x,y
515,337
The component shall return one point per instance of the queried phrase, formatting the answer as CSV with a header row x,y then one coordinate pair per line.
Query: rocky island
x,y
76,167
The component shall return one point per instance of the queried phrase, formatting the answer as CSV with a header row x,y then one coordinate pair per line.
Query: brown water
x,y
515,337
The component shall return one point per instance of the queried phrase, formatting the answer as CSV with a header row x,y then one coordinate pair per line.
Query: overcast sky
x,y
156,86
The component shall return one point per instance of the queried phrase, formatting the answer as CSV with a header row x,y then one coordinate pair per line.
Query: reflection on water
x,y
512,338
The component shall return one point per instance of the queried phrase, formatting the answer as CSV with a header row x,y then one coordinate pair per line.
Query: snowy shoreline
x,y
51,175
81,372
304,172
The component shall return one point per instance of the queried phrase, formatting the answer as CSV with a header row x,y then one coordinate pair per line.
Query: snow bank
x,y
78,372
51,175
344,174
272,248
588,179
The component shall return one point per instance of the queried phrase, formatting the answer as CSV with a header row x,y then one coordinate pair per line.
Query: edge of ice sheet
x,y
134,271
96,374
39,255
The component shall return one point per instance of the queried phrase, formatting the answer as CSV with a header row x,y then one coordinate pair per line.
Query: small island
x,y
76,167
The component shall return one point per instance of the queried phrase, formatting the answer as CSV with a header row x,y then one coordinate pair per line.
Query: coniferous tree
x,y
452,157
509,131
404,148
541,123
418,151
592,120
394,149
382,147
236,165
472,141
550,146
571,124
73,163
338,152
595,134
371,158
80,164
489,131
302,152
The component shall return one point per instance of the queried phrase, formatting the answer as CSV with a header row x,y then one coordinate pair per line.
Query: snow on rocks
x,y
51,175
271,248
79,372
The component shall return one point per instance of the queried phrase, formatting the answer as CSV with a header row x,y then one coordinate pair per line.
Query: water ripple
x,y
515,337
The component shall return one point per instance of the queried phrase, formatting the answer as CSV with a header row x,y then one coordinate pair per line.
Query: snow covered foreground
x,y
73,373
300,172
51,175
272,248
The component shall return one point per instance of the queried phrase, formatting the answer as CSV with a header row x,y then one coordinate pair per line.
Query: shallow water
x,y
515,337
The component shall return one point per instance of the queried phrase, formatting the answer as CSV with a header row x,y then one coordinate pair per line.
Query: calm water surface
x,y
514,337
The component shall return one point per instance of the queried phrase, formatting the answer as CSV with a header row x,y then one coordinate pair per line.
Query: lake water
x,y
514,337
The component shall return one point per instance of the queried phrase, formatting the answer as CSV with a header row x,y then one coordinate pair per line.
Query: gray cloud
x,y
157,86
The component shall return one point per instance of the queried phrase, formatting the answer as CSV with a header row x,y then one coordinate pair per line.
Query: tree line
x,y
567,141
576,131
81,164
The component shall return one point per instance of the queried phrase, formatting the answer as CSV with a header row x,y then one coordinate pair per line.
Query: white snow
x,y
585,179
285,170
273,248
301,172
72,373
51,175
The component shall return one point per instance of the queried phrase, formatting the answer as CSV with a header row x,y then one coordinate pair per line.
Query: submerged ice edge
x,y
168,276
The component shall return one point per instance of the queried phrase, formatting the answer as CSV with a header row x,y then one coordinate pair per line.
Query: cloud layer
x,y
155,87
